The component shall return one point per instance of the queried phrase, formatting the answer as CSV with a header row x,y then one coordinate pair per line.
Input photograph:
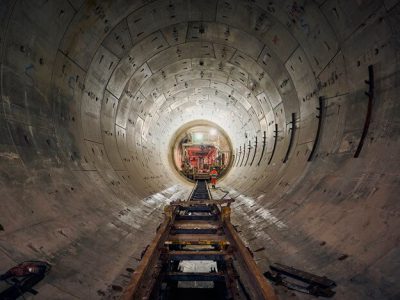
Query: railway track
x,y
198,254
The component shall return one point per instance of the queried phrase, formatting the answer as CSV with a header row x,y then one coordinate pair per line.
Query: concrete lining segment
x,y
84,132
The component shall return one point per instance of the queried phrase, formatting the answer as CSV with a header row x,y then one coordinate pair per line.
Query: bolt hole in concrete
x,y
199,148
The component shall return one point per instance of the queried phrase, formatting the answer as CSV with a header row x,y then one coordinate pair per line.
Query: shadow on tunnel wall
x,y
93,91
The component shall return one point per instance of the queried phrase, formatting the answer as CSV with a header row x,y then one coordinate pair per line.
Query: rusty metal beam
x,y
202,202
261,286
231,280
141,281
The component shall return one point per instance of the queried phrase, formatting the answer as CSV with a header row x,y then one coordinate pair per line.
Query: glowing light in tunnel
x,y
198,136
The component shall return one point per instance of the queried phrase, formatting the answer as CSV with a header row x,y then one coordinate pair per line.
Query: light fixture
x,y
213,131
198,136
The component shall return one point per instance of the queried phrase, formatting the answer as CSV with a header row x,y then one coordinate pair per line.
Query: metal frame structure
x,y
193,230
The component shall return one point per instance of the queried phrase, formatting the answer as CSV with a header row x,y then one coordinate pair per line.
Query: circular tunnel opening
x,y
94,96
199,148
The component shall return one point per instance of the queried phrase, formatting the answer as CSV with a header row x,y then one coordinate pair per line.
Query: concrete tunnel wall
x,y
92,92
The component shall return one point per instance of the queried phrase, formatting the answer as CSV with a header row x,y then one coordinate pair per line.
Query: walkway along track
x,y
198,229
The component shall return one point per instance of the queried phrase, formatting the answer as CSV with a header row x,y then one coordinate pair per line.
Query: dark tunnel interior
x,y
94,93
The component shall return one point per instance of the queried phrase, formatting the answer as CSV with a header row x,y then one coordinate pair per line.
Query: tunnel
x,y
94,92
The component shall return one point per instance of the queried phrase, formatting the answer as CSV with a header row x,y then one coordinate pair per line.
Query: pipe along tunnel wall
x,y
92,91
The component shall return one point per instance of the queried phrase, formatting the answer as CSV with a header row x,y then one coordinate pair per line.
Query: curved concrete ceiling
x,y
92,92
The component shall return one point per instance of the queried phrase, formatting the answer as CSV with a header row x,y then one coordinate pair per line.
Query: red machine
x,y
201,157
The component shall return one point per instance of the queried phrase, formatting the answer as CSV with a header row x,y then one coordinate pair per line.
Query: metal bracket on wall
x,y
255,151
248,153
235,157
240,154
275,142
367,122
320,108
292,135
244,153
263,149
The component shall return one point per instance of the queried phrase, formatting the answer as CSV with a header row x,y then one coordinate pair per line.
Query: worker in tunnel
x,y
214,176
